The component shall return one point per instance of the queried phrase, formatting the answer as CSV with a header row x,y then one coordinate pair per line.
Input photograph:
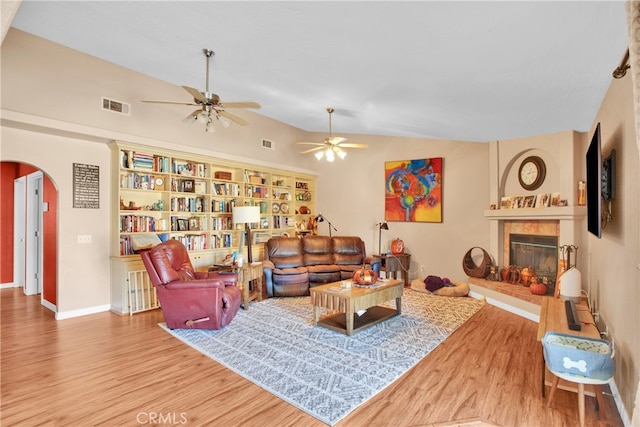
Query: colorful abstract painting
x,y
413,190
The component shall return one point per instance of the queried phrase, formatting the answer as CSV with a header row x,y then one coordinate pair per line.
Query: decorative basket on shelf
x,y
471,269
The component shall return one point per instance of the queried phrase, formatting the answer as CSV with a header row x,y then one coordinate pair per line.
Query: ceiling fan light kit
x,y
331,146
210,105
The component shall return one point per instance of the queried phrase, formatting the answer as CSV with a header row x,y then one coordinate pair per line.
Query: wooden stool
x,y
580,360
581,381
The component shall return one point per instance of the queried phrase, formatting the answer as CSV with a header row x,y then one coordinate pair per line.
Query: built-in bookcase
x,y
176,195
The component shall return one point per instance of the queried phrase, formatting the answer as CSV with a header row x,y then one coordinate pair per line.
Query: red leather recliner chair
x,y
190,299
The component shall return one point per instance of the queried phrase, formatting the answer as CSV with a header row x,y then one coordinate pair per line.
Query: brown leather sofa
x,y
293,265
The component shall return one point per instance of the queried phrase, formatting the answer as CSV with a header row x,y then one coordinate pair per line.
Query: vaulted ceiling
x,y
471,71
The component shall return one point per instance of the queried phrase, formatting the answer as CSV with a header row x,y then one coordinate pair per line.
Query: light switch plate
x,y
84,238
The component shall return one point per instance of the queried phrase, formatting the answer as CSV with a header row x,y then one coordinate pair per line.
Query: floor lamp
x,y
322,218
246,215
381,226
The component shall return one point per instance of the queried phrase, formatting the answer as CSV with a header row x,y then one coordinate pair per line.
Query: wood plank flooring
x,y
111,370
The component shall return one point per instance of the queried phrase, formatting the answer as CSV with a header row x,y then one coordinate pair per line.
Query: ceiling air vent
x,y
268,144
116,106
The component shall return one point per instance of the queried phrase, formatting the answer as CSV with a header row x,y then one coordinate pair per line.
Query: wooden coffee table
x,y
351,300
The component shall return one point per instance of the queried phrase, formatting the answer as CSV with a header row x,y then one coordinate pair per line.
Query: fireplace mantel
x,y
571,213
569,218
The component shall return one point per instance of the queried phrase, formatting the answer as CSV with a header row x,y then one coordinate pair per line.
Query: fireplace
x,y
537,252
533,243
557,226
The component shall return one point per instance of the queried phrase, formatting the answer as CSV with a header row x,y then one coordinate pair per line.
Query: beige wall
x,y
613,261
83,269
351,195
67,125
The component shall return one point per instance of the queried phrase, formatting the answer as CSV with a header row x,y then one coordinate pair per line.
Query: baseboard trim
x,y
619,403
9,285
82,312
507,307
49,305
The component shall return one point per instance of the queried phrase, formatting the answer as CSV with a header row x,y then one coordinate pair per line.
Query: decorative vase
x,y
397,247
365,276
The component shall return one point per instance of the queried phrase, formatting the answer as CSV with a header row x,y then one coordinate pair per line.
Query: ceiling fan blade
x,y
336,140
247,104
196,94
167,102
233,117
311,150
353,145
310,143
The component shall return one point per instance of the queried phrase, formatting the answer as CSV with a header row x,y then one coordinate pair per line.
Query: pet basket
x,y
473,270
576,355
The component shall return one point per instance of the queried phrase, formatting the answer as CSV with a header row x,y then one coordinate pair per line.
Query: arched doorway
x,y
14,255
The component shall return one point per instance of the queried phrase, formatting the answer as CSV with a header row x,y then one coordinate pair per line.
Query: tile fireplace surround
x,y
565,222
529,228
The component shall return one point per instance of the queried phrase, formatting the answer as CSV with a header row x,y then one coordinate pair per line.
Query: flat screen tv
x,y
594,185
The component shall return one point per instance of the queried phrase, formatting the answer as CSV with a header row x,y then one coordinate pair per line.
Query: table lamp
x,y
570,281
381,226
571,285
246,215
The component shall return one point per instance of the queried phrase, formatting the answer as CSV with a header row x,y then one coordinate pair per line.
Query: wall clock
x,y
532,173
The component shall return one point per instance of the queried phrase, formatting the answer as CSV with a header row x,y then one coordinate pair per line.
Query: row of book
x,y
225,189
257,192
223,205
136,160
182,167
222,241
222,223
188,204
137,223
138,181
193,242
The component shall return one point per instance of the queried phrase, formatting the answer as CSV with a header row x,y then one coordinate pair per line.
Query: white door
x,y
19,229
34,233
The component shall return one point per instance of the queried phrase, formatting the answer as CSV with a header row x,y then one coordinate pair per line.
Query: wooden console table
x,y
554,318
393,264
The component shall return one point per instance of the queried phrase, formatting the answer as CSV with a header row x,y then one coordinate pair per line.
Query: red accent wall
x,y
50,242
9,171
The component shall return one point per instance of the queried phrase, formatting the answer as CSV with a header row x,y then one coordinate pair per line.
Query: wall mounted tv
x,y
601,184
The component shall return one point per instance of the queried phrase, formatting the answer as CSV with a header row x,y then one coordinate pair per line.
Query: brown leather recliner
x,y
190,299
293,265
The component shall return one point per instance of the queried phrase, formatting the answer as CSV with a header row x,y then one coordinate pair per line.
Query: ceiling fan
x,y
210,105
331,145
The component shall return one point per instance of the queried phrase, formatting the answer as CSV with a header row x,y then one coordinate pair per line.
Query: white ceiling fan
x,y
331,145
210,105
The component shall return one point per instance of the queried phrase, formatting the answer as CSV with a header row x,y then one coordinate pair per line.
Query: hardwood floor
x,y
111,370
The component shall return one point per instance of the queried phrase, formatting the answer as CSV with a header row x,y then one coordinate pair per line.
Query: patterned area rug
x,y
325,373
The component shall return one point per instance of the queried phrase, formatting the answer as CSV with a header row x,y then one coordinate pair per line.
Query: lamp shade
x,y
571,285
246,214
